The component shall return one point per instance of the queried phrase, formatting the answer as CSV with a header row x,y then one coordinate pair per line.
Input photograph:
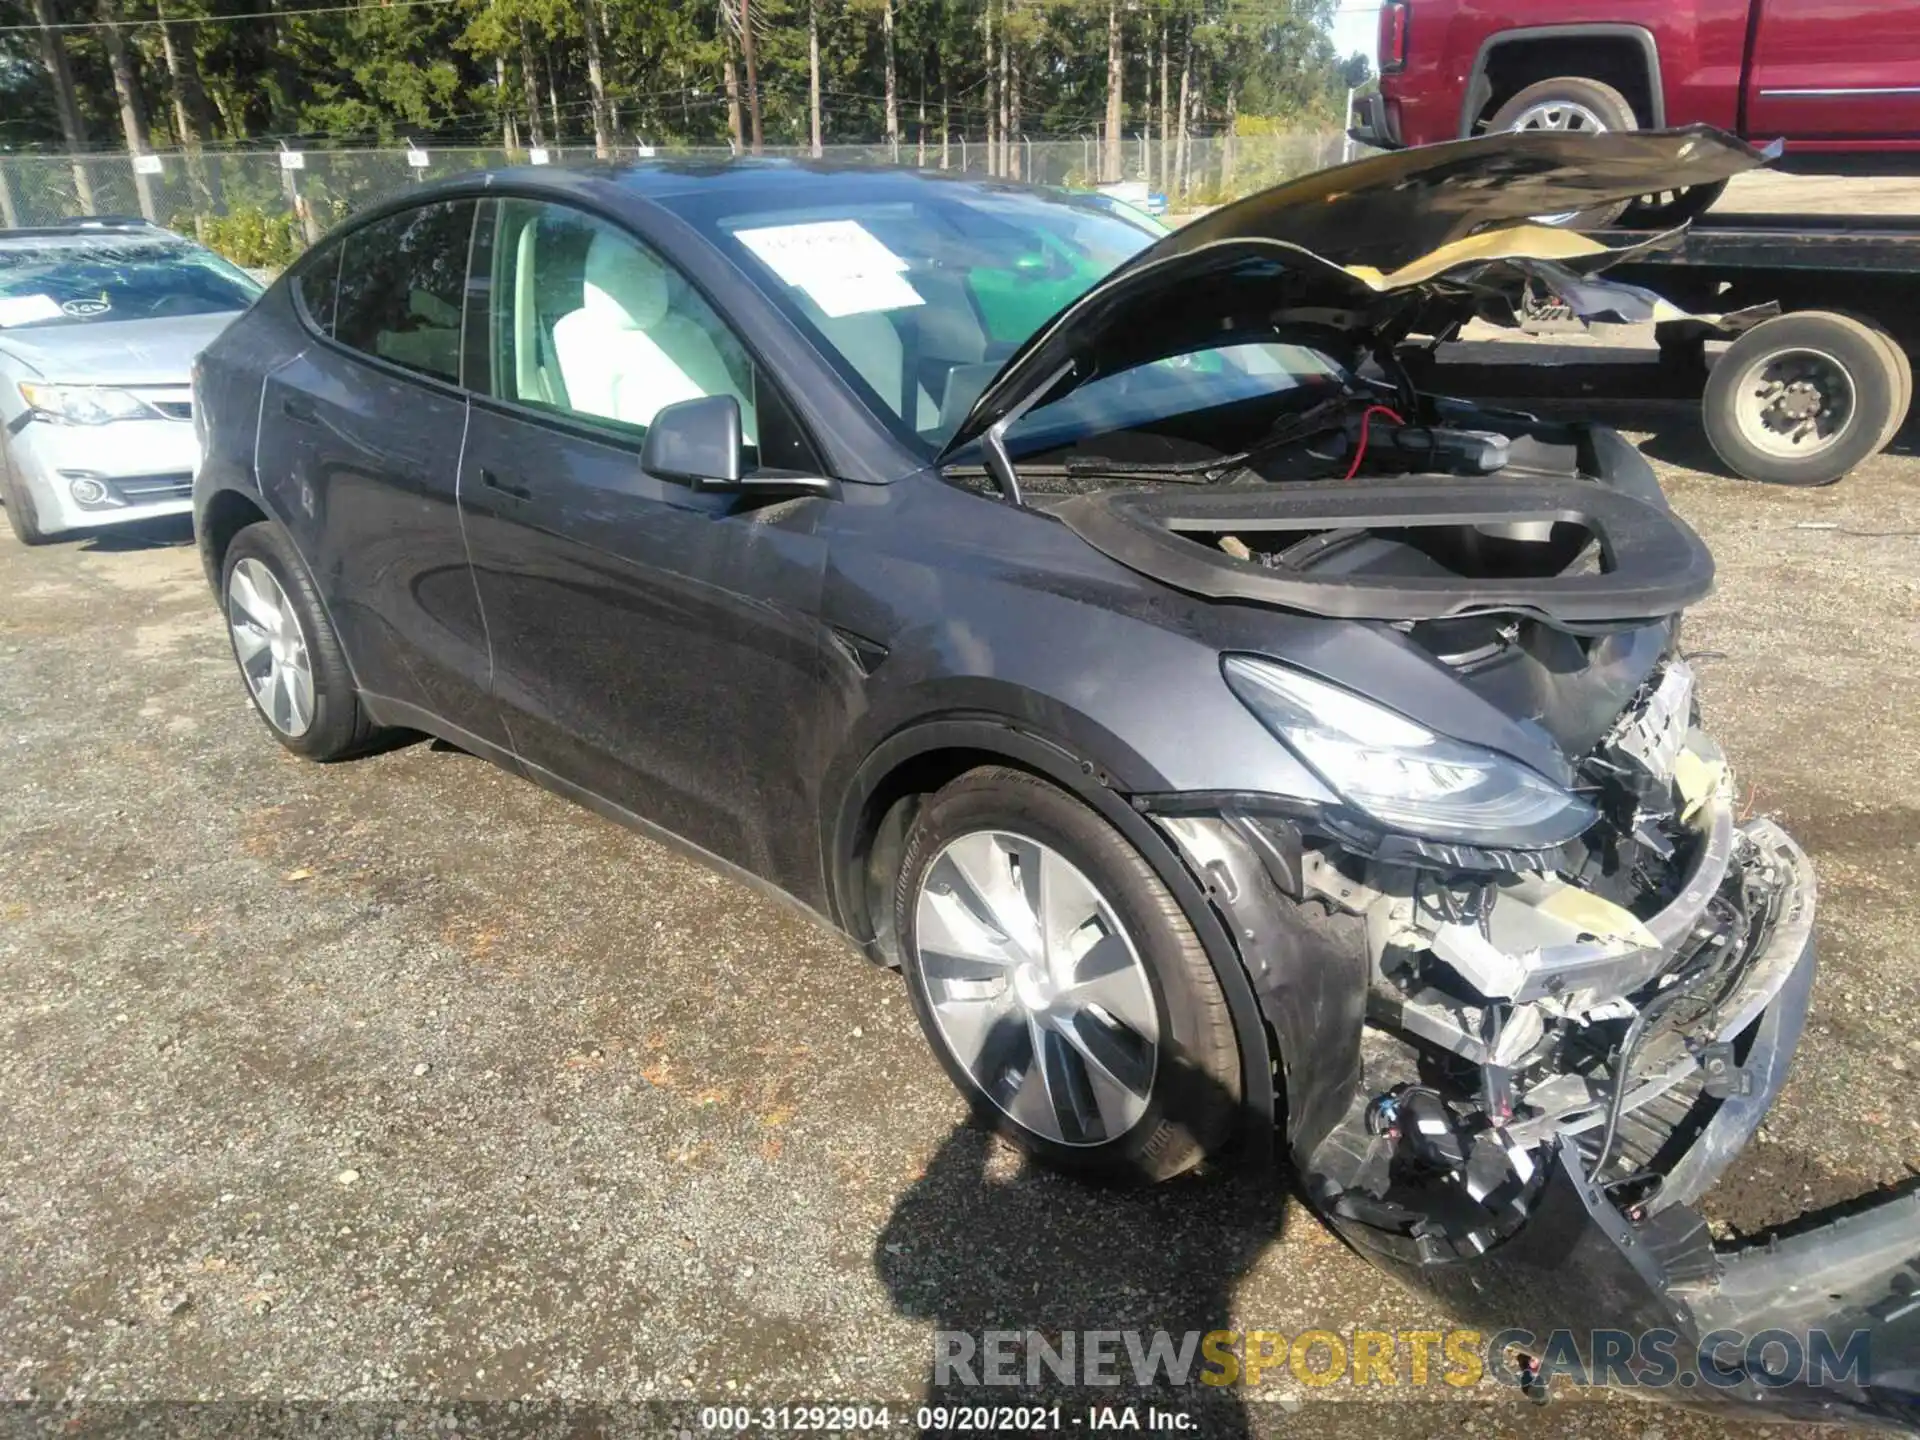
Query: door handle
x,y
298,409
506,487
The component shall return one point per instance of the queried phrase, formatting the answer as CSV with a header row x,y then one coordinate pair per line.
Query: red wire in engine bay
x,y
1360,450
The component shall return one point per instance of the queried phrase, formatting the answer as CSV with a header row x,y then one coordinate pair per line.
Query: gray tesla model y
x,y
1226,739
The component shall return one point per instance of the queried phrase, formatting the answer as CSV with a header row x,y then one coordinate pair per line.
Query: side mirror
x,y
697,441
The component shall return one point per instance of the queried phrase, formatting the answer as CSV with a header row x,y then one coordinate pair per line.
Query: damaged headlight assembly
x,y
1401,774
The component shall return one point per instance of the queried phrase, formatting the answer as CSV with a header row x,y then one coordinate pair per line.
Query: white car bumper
x,y
82,476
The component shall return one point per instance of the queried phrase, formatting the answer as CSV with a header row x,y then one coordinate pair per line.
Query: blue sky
x,y
1353,27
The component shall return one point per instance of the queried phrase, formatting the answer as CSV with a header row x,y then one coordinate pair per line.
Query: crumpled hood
x,y
1349,255
120,352
1387,210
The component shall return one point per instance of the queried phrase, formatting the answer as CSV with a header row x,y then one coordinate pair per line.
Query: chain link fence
x,y
258,212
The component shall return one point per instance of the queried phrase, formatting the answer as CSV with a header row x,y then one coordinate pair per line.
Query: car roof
x,y
762,180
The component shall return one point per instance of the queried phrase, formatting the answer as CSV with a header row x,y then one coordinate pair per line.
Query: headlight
x,y
86,404
1401,773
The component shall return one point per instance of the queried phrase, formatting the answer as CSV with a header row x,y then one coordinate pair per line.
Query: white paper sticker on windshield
x,y
26,309
841,266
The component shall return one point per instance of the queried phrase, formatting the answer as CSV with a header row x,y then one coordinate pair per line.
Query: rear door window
x,y
402,280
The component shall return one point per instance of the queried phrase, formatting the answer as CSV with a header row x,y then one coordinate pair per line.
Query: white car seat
x,y
630,349
870,343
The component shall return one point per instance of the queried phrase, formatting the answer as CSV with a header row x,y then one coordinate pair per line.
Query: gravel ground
x,y
1768,190
404,1080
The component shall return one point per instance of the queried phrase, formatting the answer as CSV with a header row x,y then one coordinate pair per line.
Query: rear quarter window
x,y
401,285
316,285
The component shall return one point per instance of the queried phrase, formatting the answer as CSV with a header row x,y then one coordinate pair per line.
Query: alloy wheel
x,y
1559,115
1036,987
1563,115
1794,402
271,649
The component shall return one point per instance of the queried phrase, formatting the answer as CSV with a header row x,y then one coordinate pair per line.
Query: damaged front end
x,y
1514,1070
1532,980
1531,996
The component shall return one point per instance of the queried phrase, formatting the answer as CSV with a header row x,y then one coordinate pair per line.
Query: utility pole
x,y
736,134
507,137
597,82
813,71
1166,107
1116,97
73,129
530,90
753,73
892,87
133,116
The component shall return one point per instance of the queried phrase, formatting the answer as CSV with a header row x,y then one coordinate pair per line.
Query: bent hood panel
x,y
1387,210
1343,254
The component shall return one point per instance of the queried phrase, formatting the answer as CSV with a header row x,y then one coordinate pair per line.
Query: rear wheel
x,y
20,512
1902,370
1802,399
1570,104
1059,983
289,657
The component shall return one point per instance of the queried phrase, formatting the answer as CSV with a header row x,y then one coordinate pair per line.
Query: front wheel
x,y
1801,399
20,512
1060,984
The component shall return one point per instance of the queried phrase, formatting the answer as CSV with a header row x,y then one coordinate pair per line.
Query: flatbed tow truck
x,y
1800,398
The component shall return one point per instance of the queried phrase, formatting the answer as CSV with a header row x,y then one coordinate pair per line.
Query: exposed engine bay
x,y
1596,994
1605,998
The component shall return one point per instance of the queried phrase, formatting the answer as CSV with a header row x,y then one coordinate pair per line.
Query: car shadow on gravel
x,y
166,533
987,1241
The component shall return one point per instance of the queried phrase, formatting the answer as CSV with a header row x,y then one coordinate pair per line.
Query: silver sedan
x,y
100,321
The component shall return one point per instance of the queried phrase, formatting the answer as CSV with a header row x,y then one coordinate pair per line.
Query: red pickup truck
x,y
1838,80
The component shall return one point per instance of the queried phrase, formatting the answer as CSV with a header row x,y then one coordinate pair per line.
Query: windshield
x,y
1142,398
72,282
920,300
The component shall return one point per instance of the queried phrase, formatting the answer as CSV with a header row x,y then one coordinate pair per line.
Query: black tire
x,y
1672,207
1192,1105
1874,367
1605,104
20,512
1902,379
340,727
1903,402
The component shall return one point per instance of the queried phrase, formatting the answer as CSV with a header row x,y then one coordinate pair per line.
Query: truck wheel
x,y
1902,372
1802,399
1576,105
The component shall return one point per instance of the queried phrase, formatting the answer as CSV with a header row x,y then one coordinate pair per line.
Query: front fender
x,y
1307,965
1093,784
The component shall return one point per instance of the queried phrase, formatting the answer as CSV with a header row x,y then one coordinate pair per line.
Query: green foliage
x,y
456,73
249,236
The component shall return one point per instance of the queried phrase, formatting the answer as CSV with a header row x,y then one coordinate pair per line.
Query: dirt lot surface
x,y
403,1079
1766,191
